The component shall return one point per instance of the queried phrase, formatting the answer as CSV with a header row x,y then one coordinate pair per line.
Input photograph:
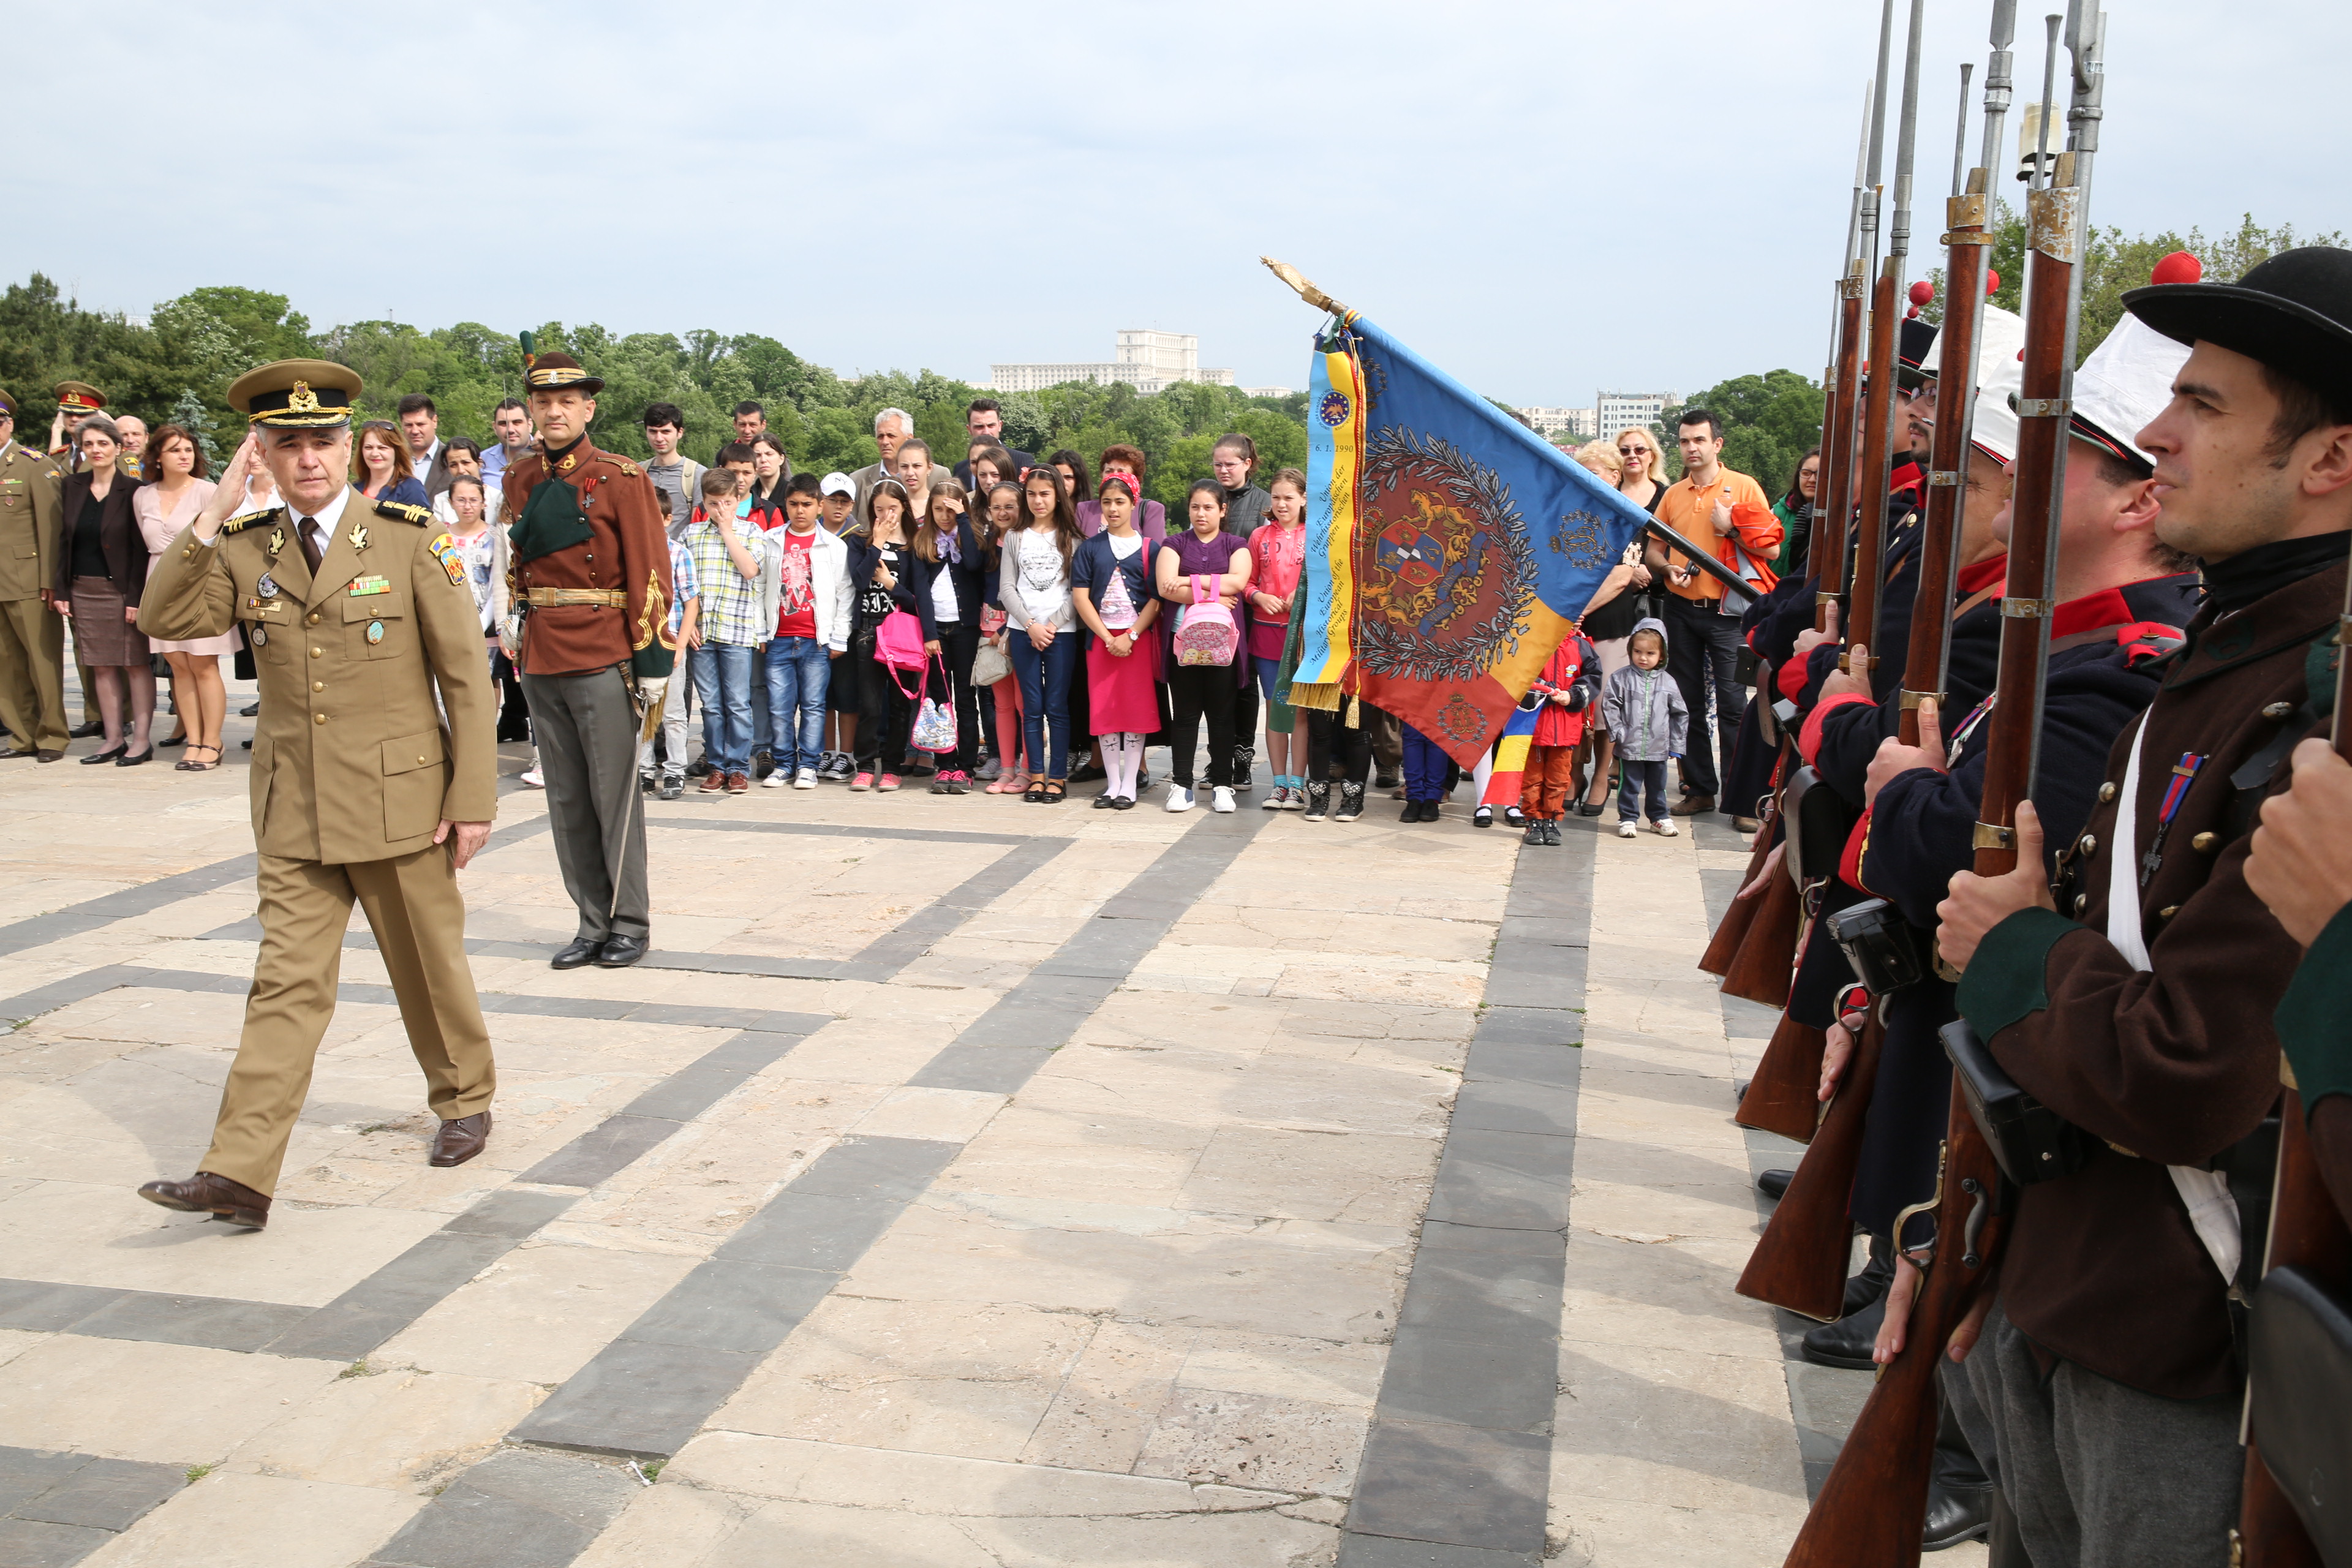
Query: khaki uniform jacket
x,y
350,759
32,534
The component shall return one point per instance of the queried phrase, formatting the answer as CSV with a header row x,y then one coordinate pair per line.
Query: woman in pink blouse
x,y
175,491
1278,548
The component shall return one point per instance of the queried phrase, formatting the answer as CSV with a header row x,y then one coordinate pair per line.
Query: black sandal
x,y
1035,793
190,765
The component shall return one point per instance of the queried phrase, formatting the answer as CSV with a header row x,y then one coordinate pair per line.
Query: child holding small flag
x,y
1563,695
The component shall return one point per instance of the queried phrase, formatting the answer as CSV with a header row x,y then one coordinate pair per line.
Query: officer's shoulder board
x,y
253,520
405,511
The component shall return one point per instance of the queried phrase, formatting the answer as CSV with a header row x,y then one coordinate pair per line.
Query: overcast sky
x,y
1544,199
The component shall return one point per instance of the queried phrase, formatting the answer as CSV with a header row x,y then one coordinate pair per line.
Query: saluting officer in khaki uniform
x,y
32,635
356,611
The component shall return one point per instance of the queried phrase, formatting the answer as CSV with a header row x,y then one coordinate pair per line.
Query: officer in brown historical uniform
x,y
32,635
591,574
357,612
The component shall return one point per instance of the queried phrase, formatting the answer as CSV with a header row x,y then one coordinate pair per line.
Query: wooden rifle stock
x,y
1873,1507
1826,550
1801,1261
1870,475
1784,1095
1767,960
1722,947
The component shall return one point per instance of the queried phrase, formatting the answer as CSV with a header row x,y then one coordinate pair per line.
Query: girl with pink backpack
x,y
892,638
1203,573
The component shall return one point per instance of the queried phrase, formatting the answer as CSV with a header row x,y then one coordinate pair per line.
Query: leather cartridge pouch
x,y
2031,1142
1818,824
2299,1362
1885,950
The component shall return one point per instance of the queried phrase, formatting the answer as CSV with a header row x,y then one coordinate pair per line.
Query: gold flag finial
x,y
1307,291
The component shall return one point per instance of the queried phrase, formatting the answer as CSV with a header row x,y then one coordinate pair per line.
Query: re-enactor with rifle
x,y
2133,999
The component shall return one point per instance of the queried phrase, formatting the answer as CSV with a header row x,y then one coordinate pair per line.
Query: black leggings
x,y
1203,691
885,714
959,643
1328,736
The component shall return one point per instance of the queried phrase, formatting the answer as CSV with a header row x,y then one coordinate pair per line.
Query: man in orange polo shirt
x,y
1710,504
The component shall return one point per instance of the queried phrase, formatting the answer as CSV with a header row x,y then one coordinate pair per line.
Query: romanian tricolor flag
x,y
1451,546
1508,782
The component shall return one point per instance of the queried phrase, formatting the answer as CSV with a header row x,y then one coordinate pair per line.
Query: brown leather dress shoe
x,y
1694,806
205,1193
460,1141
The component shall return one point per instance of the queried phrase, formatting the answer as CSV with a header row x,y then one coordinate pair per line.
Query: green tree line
x,y
179,363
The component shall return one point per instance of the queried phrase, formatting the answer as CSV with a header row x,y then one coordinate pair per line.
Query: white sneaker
x,y
1665,830
805,779
533,780
1221,799
1627,830
1181,799
776,780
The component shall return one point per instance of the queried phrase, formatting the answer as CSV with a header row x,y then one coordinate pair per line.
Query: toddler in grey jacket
x,y
1644,712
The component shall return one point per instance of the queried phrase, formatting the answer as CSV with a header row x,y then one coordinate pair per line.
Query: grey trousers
x,y
2098,1475
586,727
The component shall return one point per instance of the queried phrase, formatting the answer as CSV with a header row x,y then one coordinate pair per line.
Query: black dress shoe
x,y
579,951
1773,1184
84,732
460,1140
1956,1514
49,756
1848,1341
95,758
179,740
248,711
620,952
205,1193
14,752
127,760
1870,1285
1590,808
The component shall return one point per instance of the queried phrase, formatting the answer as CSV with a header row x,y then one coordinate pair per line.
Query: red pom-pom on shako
x,y
1993,281
2177,268
1922,292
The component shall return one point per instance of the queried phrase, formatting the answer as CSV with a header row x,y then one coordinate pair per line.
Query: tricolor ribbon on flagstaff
x,y
1449,547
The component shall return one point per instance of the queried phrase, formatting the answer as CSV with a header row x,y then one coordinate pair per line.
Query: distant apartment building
x,y
1146,359
1552,424
1616,411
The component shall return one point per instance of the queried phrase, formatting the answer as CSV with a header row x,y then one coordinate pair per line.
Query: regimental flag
x,y
1451,546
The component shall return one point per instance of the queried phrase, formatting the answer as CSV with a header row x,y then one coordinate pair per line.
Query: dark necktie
x,y
314,552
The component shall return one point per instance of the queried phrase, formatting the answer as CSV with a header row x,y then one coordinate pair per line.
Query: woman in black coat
x,y
100,573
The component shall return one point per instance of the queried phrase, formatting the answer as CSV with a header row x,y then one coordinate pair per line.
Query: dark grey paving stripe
x,y
650,1392
839,830
1456,1471
1005,1046
57,1507
126,903
515,1509
1822,1400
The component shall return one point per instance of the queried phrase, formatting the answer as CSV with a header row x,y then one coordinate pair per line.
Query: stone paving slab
x,y
979,1186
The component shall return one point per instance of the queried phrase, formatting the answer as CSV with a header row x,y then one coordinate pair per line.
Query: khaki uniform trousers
x,y
419,919
32,674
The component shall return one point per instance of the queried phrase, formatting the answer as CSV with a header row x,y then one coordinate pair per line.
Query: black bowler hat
x,y
557,371
1918,340
2294,313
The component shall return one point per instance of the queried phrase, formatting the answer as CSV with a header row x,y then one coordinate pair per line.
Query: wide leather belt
x,y
546,598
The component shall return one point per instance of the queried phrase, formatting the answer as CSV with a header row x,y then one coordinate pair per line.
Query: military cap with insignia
x,y
80,397
559,372
296,394
7,404
2294,313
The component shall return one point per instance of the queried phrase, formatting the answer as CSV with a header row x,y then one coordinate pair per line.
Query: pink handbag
x,y
899,642
1205,632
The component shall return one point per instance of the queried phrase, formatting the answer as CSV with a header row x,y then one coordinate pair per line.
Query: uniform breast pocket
x,y
270,635
375,625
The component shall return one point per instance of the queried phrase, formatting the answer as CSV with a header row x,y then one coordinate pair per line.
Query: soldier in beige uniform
x,y
356,612
32,635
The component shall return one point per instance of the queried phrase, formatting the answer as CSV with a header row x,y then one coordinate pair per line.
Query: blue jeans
x,y
1424,767
1639,779
722,683
1044,677
799,670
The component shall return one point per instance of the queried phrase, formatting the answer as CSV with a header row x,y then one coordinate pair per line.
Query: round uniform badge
x,y
375,632
268,586
261,637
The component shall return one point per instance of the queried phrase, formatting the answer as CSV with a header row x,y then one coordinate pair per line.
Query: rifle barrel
x,y
1705,561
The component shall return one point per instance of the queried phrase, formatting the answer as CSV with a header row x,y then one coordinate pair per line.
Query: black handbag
x,y
2300,1366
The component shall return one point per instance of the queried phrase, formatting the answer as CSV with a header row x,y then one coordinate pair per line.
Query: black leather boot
x,y
1877,1274
1960,1493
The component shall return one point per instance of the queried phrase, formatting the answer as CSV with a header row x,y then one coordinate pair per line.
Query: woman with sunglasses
x,y
1644,480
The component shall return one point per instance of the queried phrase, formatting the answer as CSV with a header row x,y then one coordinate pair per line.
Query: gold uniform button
x,y
2166,912
2278,709
2082,902
317,653
318,718
2204,843
420,757
314,619
2107,792
318,686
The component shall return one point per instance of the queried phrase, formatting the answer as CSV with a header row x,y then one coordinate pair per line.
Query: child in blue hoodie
x,y
1645,710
